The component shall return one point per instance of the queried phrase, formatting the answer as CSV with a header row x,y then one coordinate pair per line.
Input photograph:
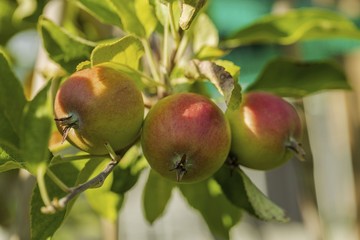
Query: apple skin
x,y
105,105
186,124
262,128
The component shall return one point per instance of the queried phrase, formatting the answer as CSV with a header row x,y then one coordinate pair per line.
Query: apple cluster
x,y
185,137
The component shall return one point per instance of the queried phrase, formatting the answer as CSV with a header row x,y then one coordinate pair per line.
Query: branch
x,y
95,182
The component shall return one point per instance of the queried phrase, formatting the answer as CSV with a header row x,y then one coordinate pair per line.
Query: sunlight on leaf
x,y
63,48
204,33
293,26
102,10
141,80
127,50
36,128
137,17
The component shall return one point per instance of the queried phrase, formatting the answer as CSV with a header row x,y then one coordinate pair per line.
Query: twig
x,y
95,182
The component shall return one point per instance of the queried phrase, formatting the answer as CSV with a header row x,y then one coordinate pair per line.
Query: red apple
x,y
98,105
185,137
265,131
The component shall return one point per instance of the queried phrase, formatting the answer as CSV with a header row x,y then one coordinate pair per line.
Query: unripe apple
x,y
185,137
265,131
98,105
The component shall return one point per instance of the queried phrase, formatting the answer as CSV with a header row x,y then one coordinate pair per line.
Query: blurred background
x,y
320,195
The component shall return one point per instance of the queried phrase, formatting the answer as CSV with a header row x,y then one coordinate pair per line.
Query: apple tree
x,y
158,92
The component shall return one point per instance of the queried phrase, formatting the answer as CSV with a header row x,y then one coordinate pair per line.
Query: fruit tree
x,y
149,87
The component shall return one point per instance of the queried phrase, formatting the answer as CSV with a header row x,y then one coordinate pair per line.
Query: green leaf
x,y
10,158
12,102
293,26
128,171
63,48
146,14
36,128
137,17
12,98
208,53
204,34
43,226
219,214
240,191
103,201
107,199
229,66
8,135
166,8
156,195
292,78
189,10
127,50
219,77
83,65
141,80
102,10
29,10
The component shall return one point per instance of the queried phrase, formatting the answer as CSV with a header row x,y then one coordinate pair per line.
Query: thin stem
x,y
173,29
166,59
57,180
112,153
181,49
97,181
43,191
296,148
166,44
61,160
151,61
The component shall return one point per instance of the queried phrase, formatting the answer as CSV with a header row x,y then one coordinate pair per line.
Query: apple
x,y
98,105
266,131
185,137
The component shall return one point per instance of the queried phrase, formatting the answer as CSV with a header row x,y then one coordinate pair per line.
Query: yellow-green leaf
x,y
127,51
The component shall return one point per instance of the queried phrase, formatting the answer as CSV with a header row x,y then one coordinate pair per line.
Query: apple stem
x,y
180,168
296,148
232,162
68,123
95,182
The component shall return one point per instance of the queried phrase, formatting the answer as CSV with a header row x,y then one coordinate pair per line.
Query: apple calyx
x,y
180,167
67,123
296,148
